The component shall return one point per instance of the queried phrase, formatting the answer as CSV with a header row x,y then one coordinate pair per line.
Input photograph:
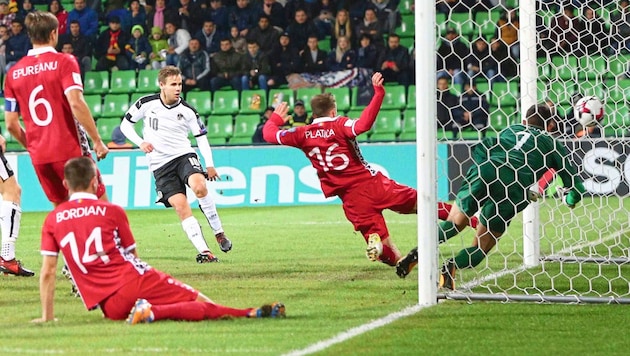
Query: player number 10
x,y
94,239
327,163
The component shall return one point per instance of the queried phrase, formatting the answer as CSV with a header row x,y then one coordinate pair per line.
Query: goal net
x,y
549,252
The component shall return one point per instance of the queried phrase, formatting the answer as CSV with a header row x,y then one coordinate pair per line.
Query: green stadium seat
x,y
541,90
408,129
387,126
148,81
618,66
105,127
135,96
441,23
462,22
566,68
225,102
277,95
395,97
617,90
504,94
94,102
404,7
342,98
96,83
200,101
244,128
253,101
407,26
592,68
220,128
591,87
306,94
411,97
115,105
617,116
122,81
561,92
501,118
544,69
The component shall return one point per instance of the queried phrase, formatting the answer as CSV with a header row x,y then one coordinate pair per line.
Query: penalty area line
x,y
356,331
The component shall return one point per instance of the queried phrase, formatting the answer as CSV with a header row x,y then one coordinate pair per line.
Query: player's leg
x,y
197,182
10,216
444,210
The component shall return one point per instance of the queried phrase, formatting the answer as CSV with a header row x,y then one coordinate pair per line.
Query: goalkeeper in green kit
x,y
497,185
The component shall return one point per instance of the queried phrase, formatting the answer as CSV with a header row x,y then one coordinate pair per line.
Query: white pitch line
x,y
362,329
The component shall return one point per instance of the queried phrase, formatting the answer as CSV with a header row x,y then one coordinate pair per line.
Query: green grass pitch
x,y
309,258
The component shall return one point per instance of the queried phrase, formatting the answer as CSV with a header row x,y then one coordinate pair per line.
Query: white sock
x,y
209,209
193,231
10,216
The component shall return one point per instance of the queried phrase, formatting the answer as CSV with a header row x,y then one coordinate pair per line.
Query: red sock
x,y
389,256
544,181
195,311
443,210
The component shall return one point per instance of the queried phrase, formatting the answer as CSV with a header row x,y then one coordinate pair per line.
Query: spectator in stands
x,y
300,116
366,54
159,48
564,31
4,37
507,31
480,63
620,27
258,68
475,110
257,138
508,68
454,6
275,14
117,8
264,33
218,13
195,66
301,29
286,60
119,140
228,66
239,43
25,9
190,16
393,62
160,15
342,57
594,38
56,8
177,42
109,48
138,50
17,45
369,25
242,16
448,110
342,26
313,59
450,57
324,18
209,37
138,14
6,16
387,13
87,17
81,46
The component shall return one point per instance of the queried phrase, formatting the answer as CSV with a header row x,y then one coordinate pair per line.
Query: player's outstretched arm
x,y
47,288
277,119
82,113
12,119
368,116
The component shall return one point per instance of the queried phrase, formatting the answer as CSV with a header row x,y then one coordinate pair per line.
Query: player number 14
x,y
95,239
327,162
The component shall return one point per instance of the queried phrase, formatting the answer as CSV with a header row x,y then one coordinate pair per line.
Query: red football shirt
x,y
330,144
96,242
35,87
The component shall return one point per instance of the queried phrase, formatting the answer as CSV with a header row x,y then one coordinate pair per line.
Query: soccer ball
x,y
589,111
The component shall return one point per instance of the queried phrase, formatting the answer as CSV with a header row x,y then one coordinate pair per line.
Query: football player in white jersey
x,y
167,121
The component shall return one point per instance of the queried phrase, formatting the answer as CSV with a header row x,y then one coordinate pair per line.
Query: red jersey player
x,y
330,144
99,249
45,88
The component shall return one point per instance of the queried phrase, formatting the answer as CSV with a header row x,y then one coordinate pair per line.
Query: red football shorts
x,y
50,177
157,287
364,204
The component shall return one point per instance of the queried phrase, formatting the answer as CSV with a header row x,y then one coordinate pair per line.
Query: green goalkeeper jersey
x,y
529,152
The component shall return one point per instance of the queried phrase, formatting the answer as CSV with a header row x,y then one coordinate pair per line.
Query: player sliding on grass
x,y
330,143
99,248
497,185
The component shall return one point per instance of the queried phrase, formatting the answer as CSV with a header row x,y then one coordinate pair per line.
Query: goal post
x,y
549,253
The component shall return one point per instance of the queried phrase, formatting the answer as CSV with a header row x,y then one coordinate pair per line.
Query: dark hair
x,y
61,8
39,26
538,115
79,172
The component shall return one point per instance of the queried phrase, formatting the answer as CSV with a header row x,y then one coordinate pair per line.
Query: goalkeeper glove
x,y
570,197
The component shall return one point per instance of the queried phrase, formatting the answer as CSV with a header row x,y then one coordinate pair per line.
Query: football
x,y
589,111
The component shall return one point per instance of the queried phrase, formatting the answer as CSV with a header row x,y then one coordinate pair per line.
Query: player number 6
x,y
33,103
